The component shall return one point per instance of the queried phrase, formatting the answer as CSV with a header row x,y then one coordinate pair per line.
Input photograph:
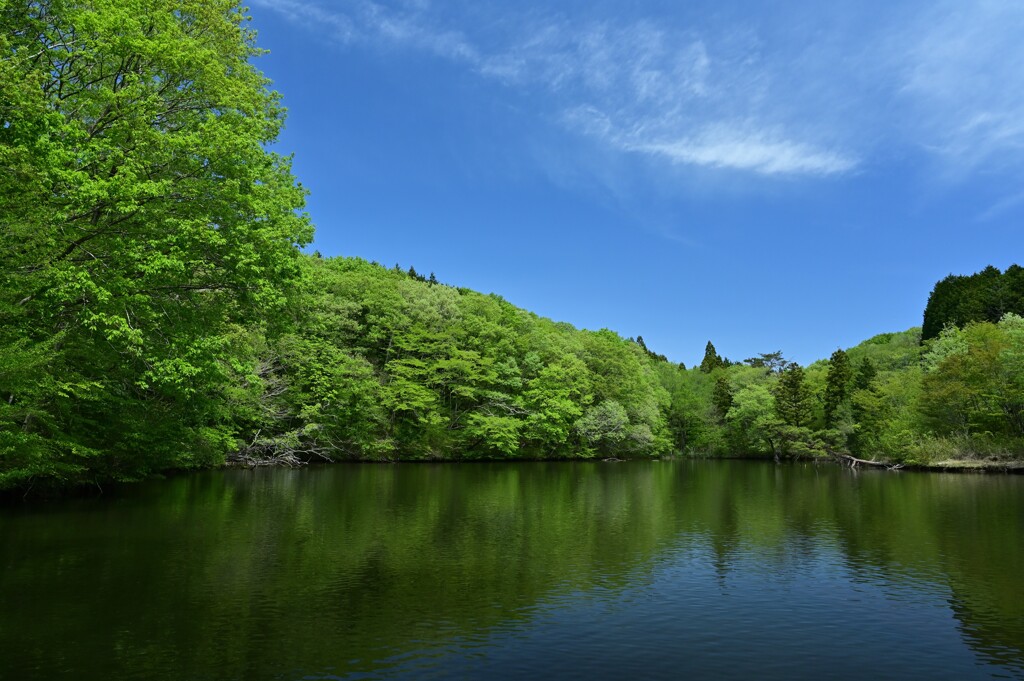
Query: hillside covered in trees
x,y
157,313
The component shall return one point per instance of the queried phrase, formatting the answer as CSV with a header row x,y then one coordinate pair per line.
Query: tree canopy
x,y
144,219
985,296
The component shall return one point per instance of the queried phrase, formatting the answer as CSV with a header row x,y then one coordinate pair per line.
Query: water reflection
x,y
730,569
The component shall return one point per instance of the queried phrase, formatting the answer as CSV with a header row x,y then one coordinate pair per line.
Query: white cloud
x,y
807,95
759,152
962,83
373,23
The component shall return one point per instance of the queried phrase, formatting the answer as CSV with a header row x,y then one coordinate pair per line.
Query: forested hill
x,y
156,311
381,364
363,362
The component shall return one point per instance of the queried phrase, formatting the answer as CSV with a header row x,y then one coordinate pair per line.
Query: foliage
x,y
974,382
792,397
383,365
985,296
145,221
837,386
712,360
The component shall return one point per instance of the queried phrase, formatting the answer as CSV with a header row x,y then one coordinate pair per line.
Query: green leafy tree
x,y
973,381
604,426
144,219
753,421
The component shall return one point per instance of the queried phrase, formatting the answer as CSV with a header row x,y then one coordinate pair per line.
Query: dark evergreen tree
x,y
869,410
837,385
866,374
792,397
983,296
433,279
712,360
722,397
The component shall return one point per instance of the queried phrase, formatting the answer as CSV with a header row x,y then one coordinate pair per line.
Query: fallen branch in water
x,y
854,462
284,459
293,450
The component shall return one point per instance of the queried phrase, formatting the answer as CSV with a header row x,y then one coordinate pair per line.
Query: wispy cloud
x,y
372,23
805,96
962,81
723,146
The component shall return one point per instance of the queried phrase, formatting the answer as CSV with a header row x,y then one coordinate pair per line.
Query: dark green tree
x,y
793,398
869,410
837,386
722,397
866,373
772,361
981,297
712,360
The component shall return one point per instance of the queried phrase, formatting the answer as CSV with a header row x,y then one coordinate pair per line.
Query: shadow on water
x,y
585,570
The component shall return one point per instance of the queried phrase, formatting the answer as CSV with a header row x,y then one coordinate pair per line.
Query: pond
x,y
587,570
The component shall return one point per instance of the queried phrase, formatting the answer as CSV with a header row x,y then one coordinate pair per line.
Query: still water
x,y
712,570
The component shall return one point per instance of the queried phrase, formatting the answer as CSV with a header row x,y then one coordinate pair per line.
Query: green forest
x,y
158,312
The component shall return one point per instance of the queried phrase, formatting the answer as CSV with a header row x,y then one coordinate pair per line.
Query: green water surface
x,y
530,570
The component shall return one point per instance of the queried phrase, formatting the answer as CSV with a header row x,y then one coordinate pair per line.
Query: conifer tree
x,y
792,397
837,385
722,397
866,374
712,360
868,408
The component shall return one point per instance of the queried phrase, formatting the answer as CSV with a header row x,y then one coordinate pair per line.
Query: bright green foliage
x,y
144,220
690,419
753,421
837,386
382,365
974,379
869,410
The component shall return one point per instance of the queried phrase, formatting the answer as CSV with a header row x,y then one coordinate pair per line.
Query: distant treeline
x,y
156,311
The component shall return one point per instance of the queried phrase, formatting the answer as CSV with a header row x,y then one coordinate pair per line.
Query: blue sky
x,y
775,175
